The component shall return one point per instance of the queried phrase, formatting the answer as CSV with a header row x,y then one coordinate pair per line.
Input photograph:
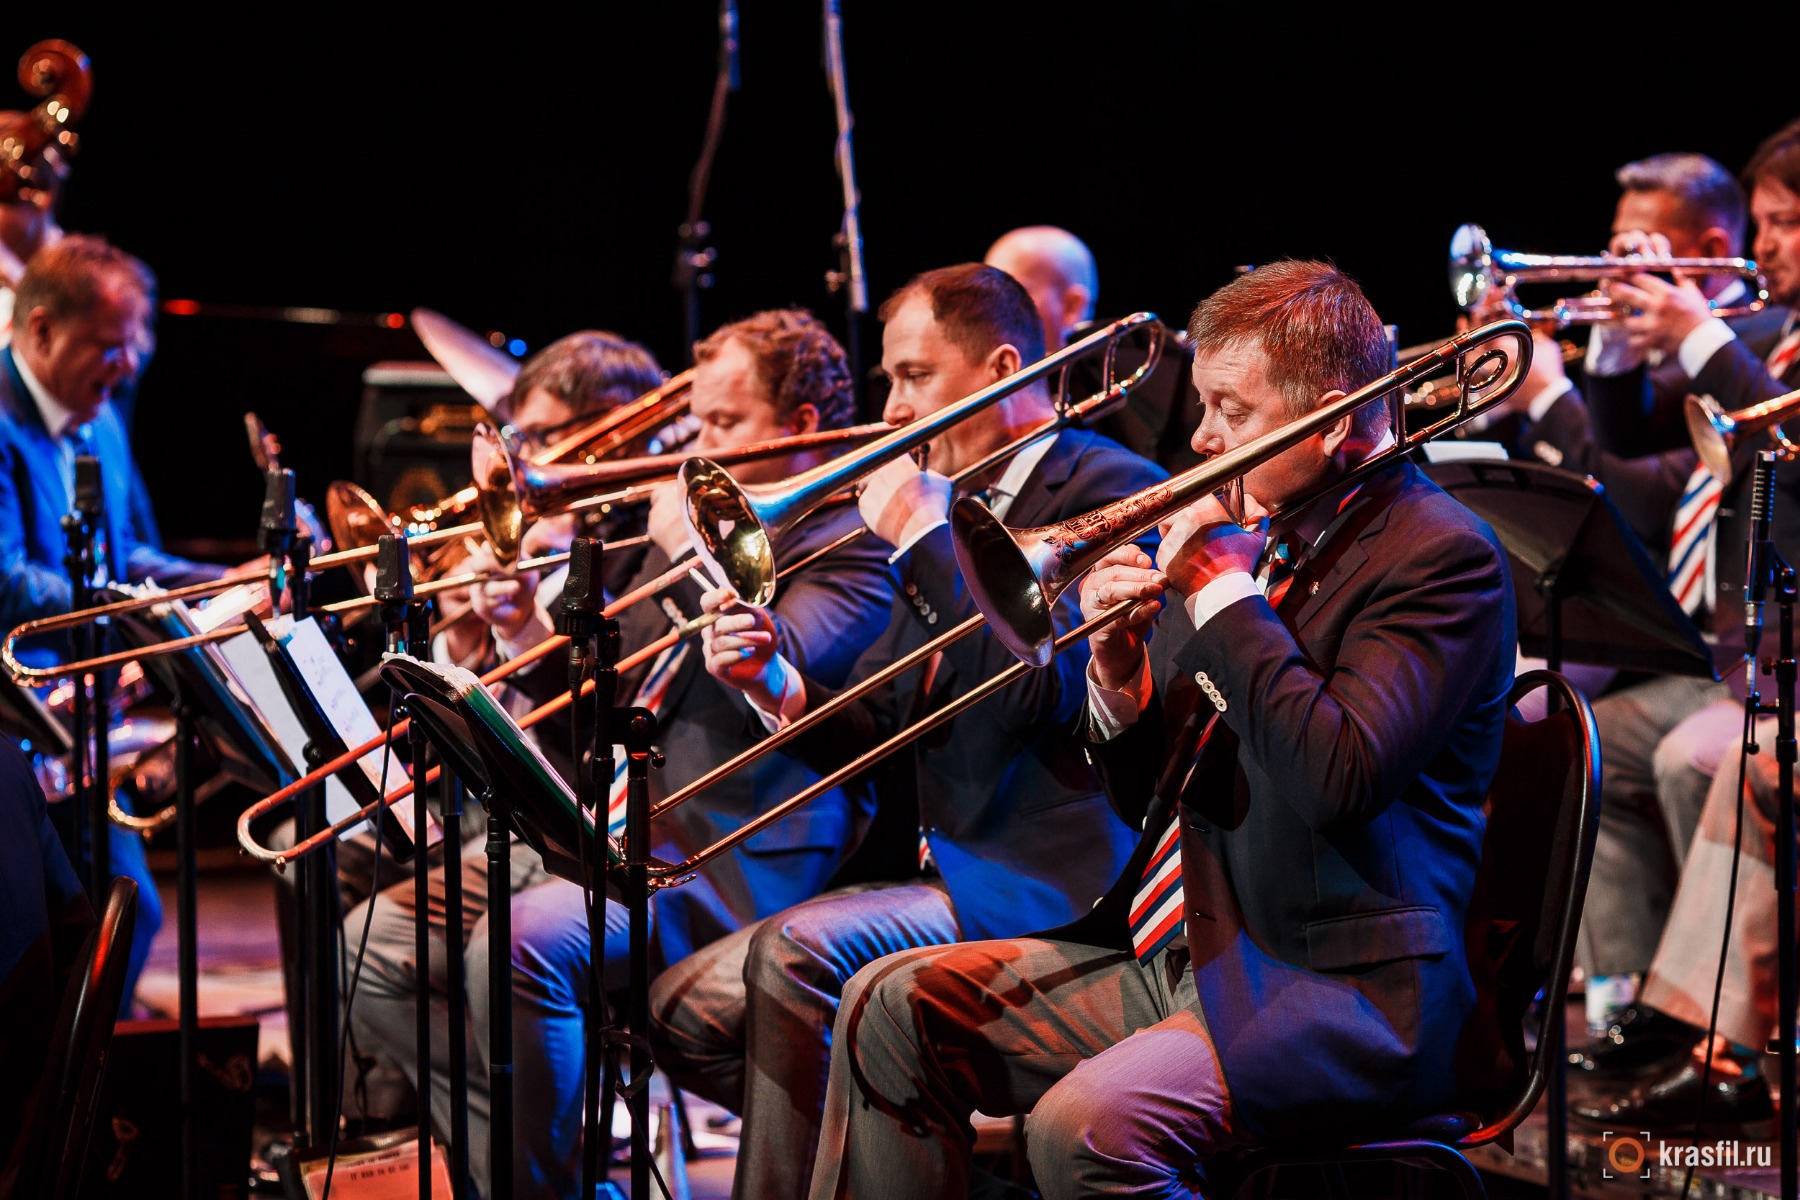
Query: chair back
x,y
1543,819
69,1091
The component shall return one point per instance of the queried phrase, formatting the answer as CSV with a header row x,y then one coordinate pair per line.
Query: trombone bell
x,y
732,533
1717,433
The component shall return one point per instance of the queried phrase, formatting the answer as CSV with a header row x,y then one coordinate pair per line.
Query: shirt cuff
x,y
911,538
1698,347
1540,403
792,705
1608,352
1112,711
1227,589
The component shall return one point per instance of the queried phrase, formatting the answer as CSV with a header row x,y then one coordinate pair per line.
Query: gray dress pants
x,y
1659,745
746,1021
1110,1059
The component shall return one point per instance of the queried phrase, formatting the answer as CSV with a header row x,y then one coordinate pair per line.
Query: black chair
x,y
69,1091
1543,817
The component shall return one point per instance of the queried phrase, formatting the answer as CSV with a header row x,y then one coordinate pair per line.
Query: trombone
x,y
522,494
1717,433
1015,578
1480,274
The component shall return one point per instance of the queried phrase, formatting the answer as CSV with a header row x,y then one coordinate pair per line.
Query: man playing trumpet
x,y
1305,734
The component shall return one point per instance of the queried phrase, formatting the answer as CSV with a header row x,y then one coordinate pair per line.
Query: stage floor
x,y
240,973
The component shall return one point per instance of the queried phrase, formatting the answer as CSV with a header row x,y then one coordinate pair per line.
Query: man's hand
x,y
509,606
1124,576
740,649
1665,313
668,527
898,501
1202,543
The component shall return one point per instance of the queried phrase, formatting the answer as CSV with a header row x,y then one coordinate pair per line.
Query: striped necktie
x,y
649,695
1694,548
1155,916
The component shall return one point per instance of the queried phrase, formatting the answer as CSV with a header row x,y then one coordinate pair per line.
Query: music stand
x,y
1585,587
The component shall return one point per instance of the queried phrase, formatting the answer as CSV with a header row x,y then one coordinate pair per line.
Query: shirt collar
x,y
57,419
1018,470
1316,518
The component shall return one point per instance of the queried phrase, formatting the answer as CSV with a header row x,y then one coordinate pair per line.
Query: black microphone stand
x,y
694,258
1768,572
848,278
81,527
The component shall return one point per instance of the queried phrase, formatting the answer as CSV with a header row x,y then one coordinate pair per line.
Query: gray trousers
x,y
746,1021
1659,747
1111,1061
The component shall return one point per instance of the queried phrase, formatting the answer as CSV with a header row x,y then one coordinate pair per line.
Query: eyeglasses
x,y
533,438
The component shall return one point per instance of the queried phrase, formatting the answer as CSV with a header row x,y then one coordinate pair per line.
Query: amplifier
x,y
413,433
135,1149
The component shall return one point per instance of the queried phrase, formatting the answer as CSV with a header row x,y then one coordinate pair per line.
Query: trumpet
x,y
1015,578
1717,433
1480,274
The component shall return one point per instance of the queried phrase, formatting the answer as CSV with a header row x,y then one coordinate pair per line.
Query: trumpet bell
x,y
732,532
1004,581
1471,266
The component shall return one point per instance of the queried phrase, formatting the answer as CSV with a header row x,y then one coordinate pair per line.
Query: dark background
x,y
526,174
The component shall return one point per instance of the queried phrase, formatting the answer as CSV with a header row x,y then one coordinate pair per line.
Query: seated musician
x,y
1305,734
81,308
1005,827
772,375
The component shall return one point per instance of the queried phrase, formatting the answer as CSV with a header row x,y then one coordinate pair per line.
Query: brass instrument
x,y
734,527
512,492
1716,433
1481,275
557,487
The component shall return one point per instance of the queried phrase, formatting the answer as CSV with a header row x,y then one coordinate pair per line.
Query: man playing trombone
x,y
772,375
1006,827
1306,742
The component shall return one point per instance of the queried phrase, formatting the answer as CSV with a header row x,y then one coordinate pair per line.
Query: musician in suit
x,y
1344,677
81,308
1006,828
774,374
1663,738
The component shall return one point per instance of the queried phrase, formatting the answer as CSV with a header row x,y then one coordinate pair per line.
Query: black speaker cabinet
x,y
413,434
136,1146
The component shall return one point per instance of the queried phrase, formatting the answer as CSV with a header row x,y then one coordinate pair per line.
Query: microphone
x,y
728,43
1756,578
90,497
582,592
393,570
277,527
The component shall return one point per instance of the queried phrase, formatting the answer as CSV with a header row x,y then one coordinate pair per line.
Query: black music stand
x,y
1585,589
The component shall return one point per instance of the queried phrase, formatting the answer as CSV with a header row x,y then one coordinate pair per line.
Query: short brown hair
x,y
1777,159
65,279
590,371
797,359
1313,324
980,308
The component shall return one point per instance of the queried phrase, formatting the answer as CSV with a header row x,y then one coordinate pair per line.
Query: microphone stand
x,y
848,278
81,527
693,257
1768,570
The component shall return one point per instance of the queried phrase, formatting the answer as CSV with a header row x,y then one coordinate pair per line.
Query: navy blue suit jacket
x,y
1332,823
34,497
1016,818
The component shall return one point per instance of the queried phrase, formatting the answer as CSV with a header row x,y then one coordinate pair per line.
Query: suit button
x,y
1201,679
931,619
912,589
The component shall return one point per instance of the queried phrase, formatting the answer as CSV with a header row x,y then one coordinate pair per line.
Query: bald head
x,y
1057,269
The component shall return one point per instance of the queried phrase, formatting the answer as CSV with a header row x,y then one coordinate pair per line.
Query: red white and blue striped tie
x,y
649,695
1691,549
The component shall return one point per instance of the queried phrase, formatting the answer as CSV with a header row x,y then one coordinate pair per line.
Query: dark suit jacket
x,y
825,614
1332,826
1015,817
44,916
34,498
1641,413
